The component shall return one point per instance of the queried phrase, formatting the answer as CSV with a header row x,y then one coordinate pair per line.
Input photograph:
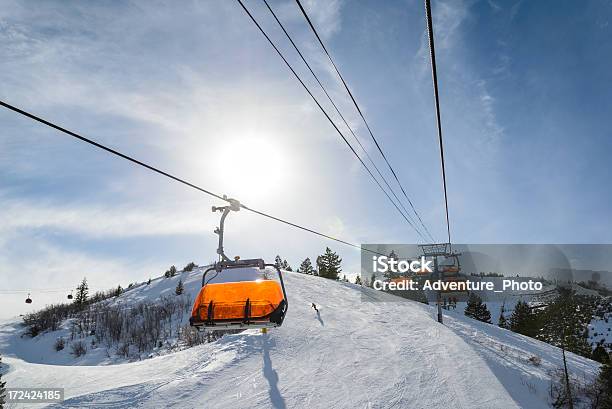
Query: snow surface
x,y
351,354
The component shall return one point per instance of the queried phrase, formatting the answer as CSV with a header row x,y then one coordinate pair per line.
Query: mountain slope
x,y
351,354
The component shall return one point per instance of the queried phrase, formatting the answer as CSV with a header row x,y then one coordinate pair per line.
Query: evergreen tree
x,y
319,263
149,282
522,320
604,384
167,274
330,265
372,279
278,261
503,322
562,323
2,387
172,271
118,291
286,266
389,275
476,309
358,280
190,267
306,267
82,293
179,288
600,354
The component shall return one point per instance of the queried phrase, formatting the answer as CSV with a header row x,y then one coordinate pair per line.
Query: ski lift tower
x,y
436,250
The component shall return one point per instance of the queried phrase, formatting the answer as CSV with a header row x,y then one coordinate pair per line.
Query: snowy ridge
x,y
352,354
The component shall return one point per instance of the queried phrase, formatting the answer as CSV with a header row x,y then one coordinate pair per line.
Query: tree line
x,y
327,265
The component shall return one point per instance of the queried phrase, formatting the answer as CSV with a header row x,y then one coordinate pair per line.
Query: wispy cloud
x,y
487,102
451,47
100,221
447,19
325,15
514,10
496,7
56,266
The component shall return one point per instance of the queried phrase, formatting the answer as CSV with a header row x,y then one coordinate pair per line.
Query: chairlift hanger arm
x,y
234,205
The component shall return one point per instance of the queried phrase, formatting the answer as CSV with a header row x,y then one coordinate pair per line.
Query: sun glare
x,y
252,168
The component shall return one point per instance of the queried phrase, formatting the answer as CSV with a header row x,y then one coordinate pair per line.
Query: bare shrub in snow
x,y
535,360
189,336
78,348
532,388
59,344
123,350
583,393
129,331
559,394
143,326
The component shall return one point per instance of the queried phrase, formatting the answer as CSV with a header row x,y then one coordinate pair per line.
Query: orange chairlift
x,y
453,268
449,272
239,293
449,269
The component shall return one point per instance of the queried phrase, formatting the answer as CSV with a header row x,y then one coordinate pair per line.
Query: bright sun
x,y
252,168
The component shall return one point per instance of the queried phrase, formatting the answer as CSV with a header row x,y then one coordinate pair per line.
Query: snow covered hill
x,y
352,354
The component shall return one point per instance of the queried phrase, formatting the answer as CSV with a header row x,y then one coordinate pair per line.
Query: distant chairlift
x,y
450,272
239,293
449,268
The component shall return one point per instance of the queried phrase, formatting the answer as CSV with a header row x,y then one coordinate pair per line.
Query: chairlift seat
x,y
246,303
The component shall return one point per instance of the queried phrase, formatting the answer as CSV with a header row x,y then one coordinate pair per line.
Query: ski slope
x,y
352,354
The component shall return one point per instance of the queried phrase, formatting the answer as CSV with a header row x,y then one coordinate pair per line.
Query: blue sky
x,y
197,91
